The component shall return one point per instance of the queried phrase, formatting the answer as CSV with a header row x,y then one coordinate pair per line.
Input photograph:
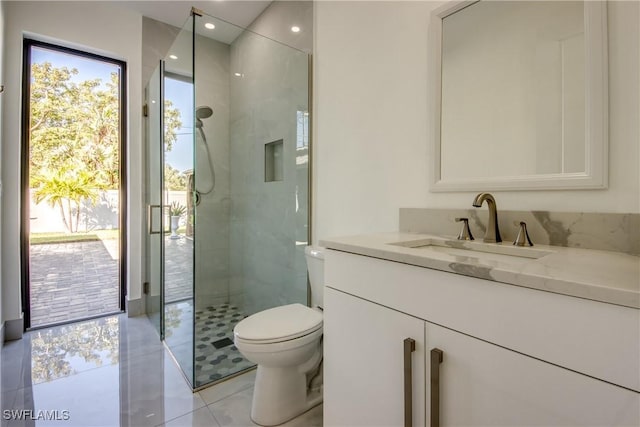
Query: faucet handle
x,y
465,232
523,236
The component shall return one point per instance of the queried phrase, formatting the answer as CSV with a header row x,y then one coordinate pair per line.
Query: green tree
x,y
172,122
174,179
94,342
75,136
66,188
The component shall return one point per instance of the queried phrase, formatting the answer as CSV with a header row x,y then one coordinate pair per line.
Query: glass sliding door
x,y
73,184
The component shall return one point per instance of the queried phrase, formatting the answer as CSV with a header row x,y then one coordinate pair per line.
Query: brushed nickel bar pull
x,y
409,347
436,360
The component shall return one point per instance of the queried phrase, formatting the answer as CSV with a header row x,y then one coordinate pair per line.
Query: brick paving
x,y
70,281
178,269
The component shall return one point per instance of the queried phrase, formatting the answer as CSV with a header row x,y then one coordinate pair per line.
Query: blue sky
x,y
181,94
89,69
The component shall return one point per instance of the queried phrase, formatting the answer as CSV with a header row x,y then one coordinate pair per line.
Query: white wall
x,y
98,27
370,111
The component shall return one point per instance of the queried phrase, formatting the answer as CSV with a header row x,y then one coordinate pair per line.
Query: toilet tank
x,y
315,267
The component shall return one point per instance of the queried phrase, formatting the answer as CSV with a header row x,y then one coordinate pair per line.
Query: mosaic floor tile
x,y
215,355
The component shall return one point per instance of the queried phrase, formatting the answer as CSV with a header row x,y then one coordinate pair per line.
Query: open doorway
x,y
73,184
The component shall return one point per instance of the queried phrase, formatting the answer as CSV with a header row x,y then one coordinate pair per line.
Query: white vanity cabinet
x,y
363,363
483,380
482,384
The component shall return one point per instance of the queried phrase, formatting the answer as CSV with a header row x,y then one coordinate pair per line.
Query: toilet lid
x,y
279,324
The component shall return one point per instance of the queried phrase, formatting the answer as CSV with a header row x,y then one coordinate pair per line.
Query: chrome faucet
x,y
492,235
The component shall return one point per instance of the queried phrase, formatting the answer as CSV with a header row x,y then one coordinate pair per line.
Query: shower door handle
x,y
150,213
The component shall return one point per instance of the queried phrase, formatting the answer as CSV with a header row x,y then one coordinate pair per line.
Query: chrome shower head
x,y
203,112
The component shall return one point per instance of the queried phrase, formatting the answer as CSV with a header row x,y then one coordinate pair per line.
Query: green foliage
x,y
74,124
75,136
174,179
66,188
49,238
95,343
172,123
177,209
56,237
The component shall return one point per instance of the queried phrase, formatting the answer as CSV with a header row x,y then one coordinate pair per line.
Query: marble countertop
x,y
610,277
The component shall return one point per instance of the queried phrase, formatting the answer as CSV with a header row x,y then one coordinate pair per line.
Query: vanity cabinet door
x,y
482,384
364,363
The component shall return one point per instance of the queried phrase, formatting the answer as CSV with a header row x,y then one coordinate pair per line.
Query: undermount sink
x,y
503,252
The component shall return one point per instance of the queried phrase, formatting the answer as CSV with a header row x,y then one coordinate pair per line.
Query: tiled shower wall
x,y
213,213
268,219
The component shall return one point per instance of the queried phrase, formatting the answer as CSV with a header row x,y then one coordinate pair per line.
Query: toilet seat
x,y
278,324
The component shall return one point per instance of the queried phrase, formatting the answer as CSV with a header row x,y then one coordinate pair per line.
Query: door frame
x,y
25,138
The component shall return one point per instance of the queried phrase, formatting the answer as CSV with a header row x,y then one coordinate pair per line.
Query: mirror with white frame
x,y
519,95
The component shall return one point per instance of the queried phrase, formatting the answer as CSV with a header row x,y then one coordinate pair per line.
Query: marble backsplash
x,y
603,231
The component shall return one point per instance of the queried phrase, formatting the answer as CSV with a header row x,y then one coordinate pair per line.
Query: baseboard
x,y
13,329
135,307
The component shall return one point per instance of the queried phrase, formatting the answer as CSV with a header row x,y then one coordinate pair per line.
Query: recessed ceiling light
x,y
173,57
237,74
295,29
209,25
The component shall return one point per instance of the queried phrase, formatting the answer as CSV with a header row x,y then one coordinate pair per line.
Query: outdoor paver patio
x,y
178,269
70,281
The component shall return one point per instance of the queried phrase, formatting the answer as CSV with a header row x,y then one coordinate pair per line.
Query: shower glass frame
x,y
248,234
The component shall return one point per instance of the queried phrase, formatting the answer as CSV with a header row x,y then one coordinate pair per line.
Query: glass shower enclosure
x,y
227,190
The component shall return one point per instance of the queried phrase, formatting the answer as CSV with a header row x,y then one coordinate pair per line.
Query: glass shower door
x,y
231,194
178,219
153,199
251,177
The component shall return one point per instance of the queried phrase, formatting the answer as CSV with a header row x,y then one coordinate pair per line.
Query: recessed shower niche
x,y
273,161
240,243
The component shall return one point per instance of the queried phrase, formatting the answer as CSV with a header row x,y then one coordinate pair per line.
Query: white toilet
x,y
286,344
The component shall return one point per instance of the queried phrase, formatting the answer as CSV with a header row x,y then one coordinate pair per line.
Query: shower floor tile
x,y
215,355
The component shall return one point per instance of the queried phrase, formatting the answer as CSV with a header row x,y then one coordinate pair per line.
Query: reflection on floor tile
x,y
163,395
69,349
98,404
235,411
229,387
127,379
199,418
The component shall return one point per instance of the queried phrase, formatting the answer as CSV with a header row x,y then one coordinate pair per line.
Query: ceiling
x,y
176,12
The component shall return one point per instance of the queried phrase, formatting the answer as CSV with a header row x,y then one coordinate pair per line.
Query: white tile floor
x,y
115,372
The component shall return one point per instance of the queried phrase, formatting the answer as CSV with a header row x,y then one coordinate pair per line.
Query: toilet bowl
x,y
286,344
